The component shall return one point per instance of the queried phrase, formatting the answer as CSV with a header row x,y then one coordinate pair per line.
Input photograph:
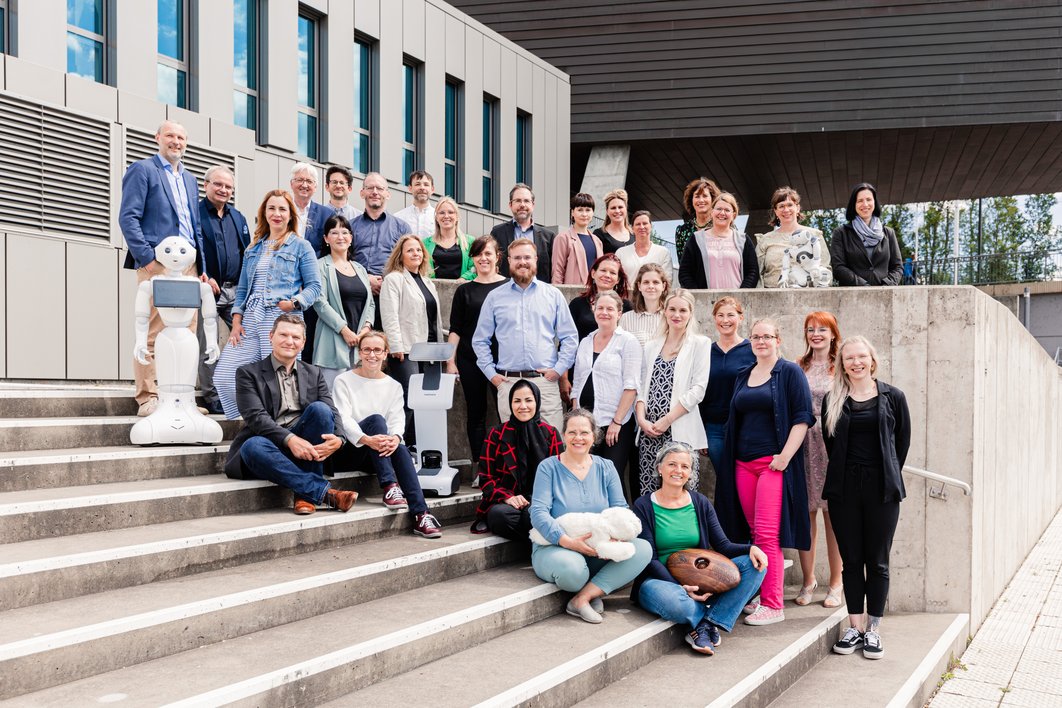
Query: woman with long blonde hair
x,y
673,383
867,432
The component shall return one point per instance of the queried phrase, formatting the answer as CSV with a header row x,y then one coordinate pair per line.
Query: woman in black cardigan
x,y
864,251
867,432
687,520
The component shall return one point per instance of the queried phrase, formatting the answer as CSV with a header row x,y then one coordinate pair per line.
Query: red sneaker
x,y
427,526
394,499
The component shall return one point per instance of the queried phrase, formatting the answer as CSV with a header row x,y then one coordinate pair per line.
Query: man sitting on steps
x,y
289,423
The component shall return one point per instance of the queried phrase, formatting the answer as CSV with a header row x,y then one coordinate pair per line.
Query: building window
x,y
364,104
86,46
307,81
523,147
490,153
245,63
173,52
411,83
3,26
455,129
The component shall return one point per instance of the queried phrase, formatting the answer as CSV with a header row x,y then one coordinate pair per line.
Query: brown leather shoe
x,y
303,507
340,499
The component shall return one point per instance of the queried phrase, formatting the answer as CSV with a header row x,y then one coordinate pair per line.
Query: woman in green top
x,y
676,517
448,248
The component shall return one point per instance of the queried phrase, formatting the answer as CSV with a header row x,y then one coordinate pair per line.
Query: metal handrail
x,y
943,479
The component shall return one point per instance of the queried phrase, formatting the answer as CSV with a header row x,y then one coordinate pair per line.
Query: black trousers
x,y
507,522
620,454
478,394
402,371
864,526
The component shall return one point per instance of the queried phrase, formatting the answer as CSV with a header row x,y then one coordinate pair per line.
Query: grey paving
x,y
1016,657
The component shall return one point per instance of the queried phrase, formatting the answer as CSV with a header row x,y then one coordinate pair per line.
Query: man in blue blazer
x,y
225,238
312,217
159,199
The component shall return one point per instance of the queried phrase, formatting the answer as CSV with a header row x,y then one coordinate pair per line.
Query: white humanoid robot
x,y
802,263
177,297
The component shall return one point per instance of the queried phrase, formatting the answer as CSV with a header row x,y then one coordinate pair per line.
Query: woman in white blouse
x,y
410,313
643,250
651,288
673,383
608,367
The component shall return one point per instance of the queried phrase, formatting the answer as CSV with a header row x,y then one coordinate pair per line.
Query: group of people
x,y
325,303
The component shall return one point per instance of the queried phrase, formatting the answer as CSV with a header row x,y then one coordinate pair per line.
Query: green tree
x,y
825,220
900,218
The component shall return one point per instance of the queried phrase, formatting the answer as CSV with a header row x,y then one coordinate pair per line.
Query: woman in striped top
x,y
651,288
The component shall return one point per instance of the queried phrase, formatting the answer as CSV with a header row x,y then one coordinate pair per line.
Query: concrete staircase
x,y
143,576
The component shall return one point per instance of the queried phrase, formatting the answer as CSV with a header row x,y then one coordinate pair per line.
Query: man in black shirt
x,y
225,236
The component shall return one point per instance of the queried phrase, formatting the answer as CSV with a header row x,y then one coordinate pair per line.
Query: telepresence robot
x,y
431,394
177,297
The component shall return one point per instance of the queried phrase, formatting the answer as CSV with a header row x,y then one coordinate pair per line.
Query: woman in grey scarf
x,y
864,251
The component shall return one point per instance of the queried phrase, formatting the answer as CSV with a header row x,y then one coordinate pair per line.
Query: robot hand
x,y
212,352
142,354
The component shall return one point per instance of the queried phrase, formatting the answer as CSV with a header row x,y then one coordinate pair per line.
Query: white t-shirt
x,y
357,397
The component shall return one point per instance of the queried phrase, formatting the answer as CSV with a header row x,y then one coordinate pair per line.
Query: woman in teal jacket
x,y
448,249
345,308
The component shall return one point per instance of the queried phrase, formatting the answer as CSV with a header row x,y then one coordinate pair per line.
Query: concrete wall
x,y
985,403
1045,309
90,297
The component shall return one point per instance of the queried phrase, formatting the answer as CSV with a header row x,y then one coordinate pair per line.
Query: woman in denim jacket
x,y
279,275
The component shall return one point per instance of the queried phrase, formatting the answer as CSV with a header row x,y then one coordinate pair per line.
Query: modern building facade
x,y
927,100
382,85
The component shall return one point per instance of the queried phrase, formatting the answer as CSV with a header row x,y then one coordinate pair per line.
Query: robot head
x,y
175,253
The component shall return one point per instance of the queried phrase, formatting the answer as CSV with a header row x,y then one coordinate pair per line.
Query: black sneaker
x,y
699,640
852,640
713,633
872,648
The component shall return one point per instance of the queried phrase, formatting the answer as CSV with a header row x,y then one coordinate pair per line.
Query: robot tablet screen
x,y
175,293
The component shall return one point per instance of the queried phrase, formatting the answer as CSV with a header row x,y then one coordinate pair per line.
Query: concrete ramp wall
x,y
985,401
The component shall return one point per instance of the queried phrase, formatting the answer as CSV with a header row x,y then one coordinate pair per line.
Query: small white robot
x,y
802,263
431,395
177,297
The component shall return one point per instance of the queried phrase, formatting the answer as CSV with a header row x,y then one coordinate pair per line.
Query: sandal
x,y
834,597
803,597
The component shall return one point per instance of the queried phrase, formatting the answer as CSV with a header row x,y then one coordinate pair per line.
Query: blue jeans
x,y
396,467
716,433
571,570
670,601
305,478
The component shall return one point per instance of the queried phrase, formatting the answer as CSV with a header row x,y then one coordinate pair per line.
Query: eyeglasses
x,y
304,180
763,337
338,183
375,351
373,189
222,185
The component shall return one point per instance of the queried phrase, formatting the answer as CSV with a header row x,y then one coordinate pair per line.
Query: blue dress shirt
x,y
526,322
374,239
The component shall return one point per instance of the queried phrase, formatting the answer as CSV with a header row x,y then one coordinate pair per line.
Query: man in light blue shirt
x,y
160,198
528,318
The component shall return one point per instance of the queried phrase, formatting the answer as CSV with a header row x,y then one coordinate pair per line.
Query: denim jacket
x,y
293,275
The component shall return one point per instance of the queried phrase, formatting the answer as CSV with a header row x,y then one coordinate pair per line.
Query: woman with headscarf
x,y
511,454
864,251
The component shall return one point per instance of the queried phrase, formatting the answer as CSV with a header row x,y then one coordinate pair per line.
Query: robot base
x,y
439,482
176,421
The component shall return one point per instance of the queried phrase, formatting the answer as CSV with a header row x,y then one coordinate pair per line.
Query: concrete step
x,y
917,646
555,662
65,511
62,641
752,666
42,469
332,653
20,434
44,570
65,401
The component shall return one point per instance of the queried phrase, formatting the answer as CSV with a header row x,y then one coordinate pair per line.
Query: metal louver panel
x,y
197,159
54,170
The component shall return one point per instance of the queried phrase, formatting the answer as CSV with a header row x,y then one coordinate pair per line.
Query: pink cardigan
x,y
569,258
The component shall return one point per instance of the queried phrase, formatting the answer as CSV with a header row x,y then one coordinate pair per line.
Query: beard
x,y
524,276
